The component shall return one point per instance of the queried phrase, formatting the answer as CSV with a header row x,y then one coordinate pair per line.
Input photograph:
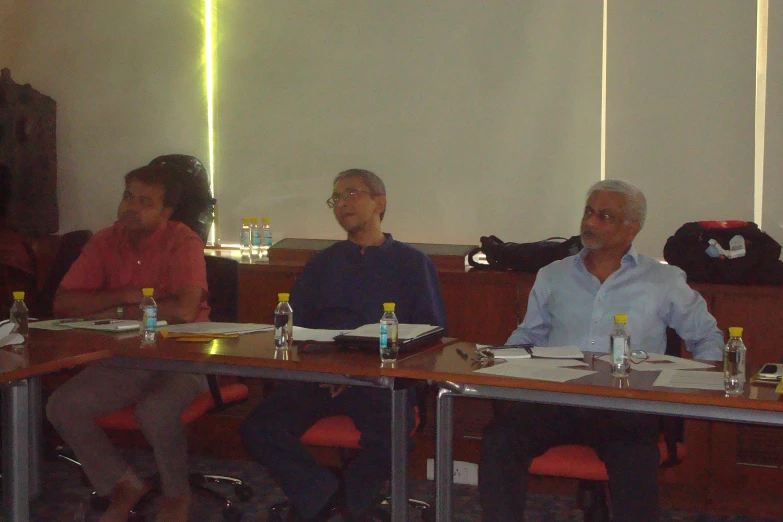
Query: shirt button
x,y
592,342
138,262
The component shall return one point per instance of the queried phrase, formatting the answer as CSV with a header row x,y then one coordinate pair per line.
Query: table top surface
x,y
443,363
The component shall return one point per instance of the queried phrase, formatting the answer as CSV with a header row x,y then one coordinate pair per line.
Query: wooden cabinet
x,y
486,306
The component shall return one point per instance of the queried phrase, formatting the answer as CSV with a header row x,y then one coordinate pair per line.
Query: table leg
x,y
15,422
444,456
399,457
36,432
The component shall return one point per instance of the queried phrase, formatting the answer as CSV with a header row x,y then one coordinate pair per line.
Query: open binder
x,y
409,336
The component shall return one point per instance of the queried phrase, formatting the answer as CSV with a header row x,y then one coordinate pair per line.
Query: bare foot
x,y
174,509
123,498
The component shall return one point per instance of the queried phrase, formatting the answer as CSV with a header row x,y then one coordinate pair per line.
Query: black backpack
x,y
196,207
527,257
760,265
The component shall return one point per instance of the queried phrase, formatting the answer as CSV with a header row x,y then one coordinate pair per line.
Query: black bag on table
x,y
760,265
527,257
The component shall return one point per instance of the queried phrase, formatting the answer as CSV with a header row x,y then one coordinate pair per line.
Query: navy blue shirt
x,y
341,288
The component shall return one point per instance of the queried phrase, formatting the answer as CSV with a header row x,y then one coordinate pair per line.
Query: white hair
x,y
635,202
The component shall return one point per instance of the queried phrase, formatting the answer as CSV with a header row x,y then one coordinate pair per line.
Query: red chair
x,y
213,400
339,431
582,462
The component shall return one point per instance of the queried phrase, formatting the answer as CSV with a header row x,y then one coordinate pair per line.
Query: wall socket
x,y
464,472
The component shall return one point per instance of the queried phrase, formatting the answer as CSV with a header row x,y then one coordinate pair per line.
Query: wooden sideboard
x,y
729,468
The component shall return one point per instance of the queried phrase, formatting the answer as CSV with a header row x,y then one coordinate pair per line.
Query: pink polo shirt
x,y
171,258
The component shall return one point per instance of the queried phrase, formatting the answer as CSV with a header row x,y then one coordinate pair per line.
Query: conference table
x,y
456,377
249,355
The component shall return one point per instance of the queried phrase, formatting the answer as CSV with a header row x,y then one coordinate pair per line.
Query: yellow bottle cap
x,y
388,307
254,219
245,220
18,295
620,318
265,220
283,297
147,292
735,331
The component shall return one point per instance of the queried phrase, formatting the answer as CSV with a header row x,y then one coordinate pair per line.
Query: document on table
x,y
52,324
542,352
315,334
555,370
404,331
656,362
699,380
219,328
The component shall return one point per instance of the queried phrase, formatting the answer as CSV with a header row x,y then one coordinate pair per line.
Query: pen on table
x,y
104,321
462,354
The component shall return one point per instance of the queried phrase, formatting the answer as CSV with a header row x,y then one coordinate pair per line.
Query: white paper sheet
x,y
658,362
219,328
541,369
545,352
314,334
53,324
701,380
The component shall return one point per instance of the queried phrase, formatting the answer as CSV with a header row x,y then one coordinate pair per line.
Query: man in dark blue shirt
x,y
345,287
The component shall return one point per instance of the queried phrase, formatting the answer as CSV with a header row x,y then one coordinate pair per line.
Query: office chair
x,y
222,279
339,431
582,462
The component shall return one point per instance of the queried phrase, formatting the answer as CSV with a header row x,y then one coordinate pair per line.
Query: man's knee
x,y
156,416
64,406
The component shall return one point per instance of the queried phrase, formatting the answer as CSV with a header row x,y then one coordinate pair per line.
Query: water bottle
x,y
266,236
620,346
20,318
244,238
734,363
388,338
284,324
149,317
255,238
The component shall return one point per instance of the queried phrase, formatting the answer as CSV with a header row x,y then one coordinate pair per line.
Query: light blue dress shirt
x,y
568,306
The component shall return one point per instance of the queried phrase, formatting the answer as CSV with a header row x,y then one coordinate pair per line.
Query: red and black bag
x,y
760,265
526,257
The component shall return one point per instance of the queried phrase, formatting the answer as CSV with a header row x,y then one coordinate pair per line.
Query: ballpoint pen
x,y
462,354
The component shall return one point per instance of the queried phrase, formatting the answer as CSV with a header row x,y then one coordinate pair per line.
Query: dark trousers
x,y
626,442
271,434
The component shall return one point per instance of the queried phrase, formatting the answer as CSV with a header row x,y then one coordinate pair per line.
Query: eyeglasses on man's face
x,y
346,195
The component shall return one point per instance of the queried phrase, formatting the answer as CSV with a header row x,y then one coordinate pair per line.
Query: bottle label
x,y
150,317
619,346
255,238
267,237
384,340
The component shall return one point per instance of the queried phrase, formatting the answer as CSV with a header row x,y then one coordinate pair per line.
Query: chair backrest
x,y
223,284
68,251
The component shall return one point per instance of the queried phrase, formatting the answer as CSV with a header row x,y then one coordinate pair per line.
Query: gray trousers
x,y
100,389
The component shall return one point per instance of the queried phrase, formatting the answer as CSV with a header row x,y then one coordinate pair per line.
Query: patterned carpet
x,y
63,495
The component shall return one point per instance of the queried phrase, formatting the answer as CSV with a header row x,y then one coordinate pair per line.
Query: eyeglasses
x,y
638,356
603,217
346,195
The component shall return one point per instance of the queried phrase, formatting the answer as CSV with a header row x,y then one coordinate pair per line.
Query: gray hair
x,y
635,202
373,182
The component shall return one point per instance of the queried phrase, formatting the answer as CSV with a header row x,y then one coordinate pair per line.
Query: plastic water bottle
x,y
734,363
284,323
255,238
149,317
620,346
244,238
20,318
266,236
388,337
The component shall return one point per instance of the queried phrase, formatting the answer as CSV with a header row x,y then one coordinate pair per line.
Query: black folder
x,y
372,344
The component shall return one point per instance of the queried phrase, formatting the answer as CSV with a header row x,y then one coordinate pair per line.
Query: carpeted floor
x,y
63,495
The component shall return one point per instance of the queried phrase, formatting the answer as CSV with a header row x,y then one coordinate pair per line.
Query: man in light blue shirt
x,y
573,302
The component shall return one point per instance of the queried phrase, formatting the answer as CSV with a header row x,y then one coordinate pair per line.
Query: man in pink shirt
x,y
142,249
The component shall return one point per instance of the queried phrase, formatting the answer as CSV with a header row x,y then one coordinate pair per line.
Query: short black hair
x,y
158,175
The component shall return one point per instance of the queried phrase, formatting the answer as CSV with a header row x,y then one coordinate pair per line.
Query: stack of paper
x,y
543,352
219,328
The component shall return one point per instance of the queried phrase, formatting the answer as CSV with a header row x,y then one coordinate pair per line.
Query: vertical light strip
x,y
603,96
209,56
761,109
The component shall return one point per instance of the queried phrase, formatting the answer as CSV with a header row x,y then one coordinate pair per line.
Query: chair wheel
x,y
232,514
243,492
99,503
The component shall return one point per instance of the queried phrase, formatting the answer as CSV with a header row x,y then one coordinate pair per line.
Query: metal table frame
x,y
444,452
397,387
